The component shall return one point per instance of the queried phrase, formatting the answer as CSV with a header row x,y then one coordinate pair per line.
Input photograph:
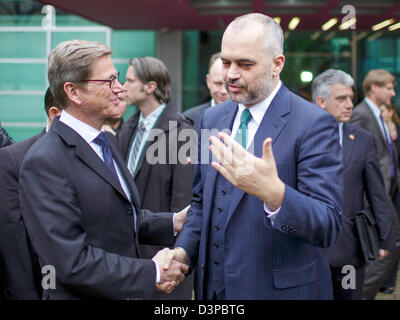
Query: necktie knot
x,y
102,140
245,117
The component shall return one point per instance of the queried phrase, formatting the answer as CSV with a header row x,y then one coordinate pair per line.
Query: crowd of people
x,y
252,195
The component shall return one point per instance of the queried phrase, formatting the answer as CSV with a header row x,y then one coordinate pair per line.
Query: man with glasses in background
x,y
82,213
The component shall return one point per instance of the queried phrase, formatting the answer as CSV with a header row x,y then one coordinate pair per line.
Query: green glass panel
x,y
190,72
21,108
121,67
129,112
58,37
22,76
128,44
23,45
22,133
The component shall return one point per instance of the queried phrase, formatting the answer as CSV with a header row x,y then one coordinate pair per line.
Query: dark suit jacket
x,y
283,260
81,223
21,269
162,186
364,118
362,177
194,114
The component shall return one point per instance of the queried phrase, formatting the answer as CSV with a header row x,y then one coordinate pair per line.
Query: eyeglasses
x,y
111,80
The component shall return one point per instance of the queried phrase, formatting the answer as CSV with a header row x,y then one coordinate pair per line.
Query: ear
x,y
208,80
150,87
73,92
321,102
53,112
277,65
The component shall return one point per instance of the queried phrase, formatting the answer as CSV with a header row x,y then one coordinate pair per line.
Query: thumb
x,y
267,150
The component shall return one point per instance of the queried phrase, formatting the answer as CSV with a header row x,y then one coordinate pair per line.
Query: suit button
x,y
129,211
284,227
216,228
219,210
223,192
216,263
216,245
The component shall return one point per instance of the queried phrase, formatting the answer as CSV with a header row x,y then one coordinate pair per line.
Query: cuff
x,y
158,276
271,214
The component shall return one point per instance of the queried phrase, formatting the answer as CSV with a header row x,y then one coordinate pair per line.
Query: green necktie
x,y
241,134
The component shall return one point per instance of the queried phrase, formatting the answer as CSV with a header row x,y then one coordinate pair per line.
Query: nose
x,y
349,104
233,72
118,87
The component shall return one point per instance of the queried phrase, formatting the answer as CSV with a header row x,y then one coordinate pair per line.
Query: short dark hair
x,y
151,69
49,101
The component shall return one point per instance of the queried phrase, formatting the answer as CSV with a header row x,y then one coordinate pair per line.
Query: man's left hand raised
x,y
256,176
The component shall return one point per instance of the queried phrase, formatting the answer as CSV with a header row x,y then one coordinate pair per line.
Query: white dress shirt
x,y
257,113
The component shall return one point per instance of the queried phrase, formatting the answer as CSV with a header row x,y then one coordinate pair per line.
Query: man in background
x,y
22,273
332,91
164,185
378,88
215,84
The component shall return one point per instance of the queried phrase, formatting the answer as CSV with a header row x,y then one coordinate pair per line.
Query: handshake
x,y
173,268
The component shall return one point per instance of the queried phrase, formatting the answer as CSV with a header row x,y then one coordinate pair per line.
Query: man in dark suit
x,y
151,146
22,274
215,84
257,223
82,212
378,88
332,91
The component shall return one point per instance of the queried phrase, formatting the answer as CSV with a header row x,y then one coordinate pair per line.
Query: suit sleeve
x,y
55,224
312,210
14,249
375,191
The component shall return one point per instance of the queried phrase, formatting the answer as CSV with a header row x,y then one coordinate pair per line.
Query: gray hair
x,y
71,61
322,84
273,34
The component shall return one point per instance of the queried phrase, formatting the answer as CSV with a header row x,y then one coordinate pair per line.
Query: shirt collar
x,y
374,108
151,119
87,132
213,103
258,110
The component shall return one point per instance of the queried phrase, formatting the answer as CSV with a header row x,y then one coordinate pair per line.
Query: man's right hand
x,y
170,269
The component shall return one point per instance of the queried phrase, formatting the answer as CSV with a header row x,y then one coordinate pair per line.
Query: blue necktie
x,y
388,143
241,134
102,141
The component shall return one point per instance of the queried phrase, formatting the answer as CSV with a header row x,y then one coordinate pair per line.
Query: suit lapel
x,y
376,124
347,143
271,125
86,154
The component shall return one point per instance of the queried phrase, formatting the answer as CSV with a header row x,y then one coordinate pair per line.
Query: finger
x,y
230,142
168,259
227,175
267,150
221,152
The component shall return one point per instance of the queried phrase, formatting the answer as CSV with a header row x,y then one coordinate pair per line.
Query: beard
x,y
254,93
